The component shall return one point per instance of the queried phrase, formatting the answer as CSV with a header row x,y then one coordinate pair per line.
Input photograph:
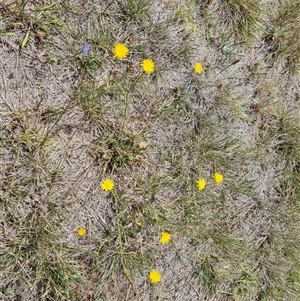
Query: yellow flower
x,y
201,183
218,178
120,51
107,185
81,231
165,238
154,276
148,66
198,68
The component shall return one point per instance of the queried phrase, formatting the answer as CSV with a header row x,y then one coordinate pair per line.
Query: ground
x,y
73,116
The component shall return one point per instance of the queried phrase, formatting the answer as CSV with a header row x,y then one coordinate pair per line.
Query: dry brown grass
x,y
69,121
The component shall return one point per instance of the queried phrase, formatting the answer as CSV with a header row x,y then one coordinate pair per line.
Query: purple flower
x,y
86,48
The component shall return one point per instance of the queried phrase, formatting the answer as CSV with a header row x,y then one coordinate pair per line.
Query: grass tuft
x,y
130,10
242,18
285,37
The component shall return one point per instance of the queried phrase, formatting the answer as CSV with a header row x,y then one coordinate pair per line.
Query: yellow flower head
x,y
201,183
107,185
165,238
120,51
218,178
198,68
148,66
81,231
154,276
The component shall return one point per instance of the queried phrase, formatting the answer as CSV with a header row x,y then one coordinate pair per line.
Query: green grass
x,y
36,21
129,10
154,136
32,253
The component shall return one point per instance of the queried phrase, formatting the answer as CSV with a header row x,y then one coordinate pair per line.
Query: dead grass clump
x,y
241,18
285,36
